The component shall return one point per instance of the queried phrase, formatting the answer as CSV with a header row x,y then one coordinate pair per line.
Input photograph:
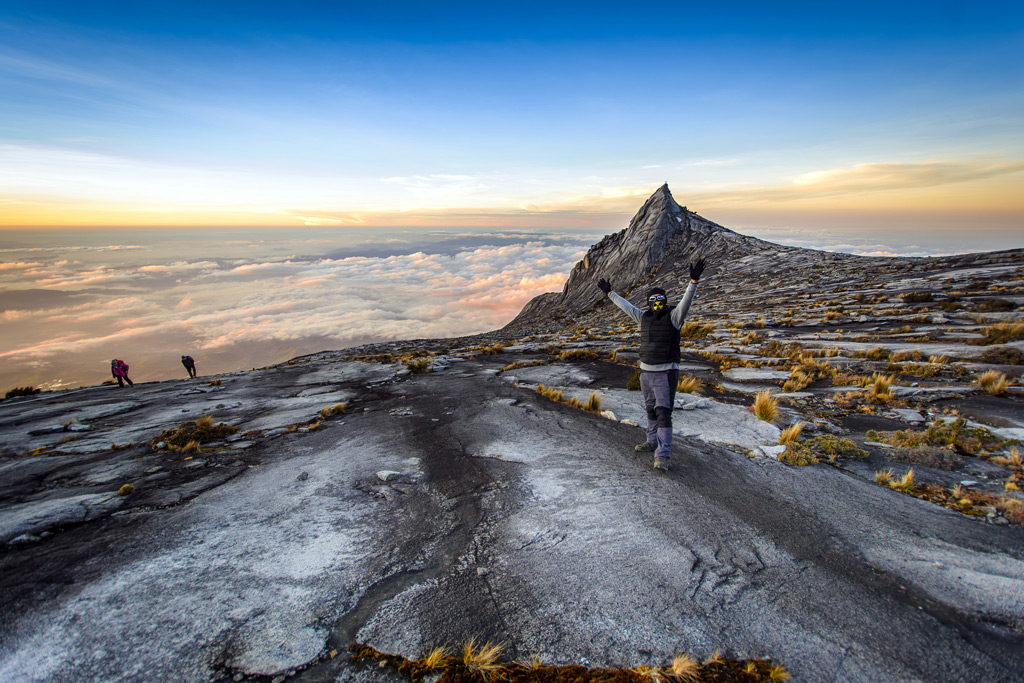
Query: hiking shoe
x,y
645,447
661,464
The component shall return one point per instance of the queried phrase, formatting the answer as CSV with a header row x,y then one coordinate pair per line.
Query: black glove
x,y
696,269
604,286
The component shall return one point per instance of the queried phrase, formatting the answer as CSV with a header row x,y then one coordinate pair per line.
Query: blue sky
x,y
447,113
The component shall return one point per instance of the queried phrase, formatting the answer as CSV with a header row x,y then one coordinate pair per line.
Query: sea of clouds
x,y
66,311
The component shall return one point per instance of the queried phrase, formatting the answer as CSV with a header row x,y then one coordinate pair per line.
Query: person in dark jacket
x,y
190,365
659,359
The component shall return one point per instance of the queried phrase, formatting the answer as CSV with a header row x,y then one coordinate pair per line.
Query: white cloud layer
x,y
210,305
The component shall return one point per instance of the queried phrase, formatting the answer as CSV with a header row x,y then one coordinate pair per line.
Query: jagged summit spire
x,y
661,239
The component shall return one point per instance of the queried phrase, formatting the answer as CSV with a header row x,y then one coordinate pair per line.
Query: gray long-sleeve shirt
x,y
678,316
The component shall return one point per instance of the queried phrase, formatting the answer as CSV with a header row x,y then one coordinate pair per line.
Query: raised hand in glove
x,y
604,286
696,268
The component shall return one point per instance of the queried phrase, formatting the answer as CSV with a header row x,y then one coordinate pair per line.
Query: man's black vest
x,y
659,339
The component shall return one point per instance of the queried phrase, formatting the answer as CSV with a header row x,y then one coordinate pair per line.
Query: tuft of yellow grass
x,y
883,477
688,384
790,433
1001,333
593,403
685,667
994,382
205,422
797,381
482,660
553,394
436,657
714,658
126,490
906,482
1013,460
766,406
190,447
938,359
778,674
878,388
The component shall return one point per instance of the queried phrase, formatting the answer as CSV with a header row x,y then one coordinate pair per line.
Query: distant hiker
x,y
659,359
190,365
119,371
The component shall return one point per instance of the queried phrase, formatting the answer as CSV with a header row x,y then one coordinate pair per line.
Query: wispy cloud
x,y
869,178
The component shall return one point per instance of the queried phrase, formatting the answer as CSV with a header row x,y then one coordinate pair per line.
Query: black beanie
x,y
655,290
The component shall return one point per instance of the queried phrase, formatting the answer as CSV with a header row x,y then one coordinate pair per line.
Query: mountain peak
x,y
660,239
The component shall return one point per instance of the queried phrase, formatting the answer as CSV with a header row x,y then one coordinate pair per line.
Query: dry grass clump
x,y
579,354
797,381
331,411
436,657
696,330
901,356
418,366
190,435
554,394
521,364
593,404
1011,460
1000,333
828,352
993,382
831,315
481,664
482,660
879,388
790,433
688,384
915,369
916,297
633,383
877,353
766,406
214,383
126,490
779,350
492,350
685,668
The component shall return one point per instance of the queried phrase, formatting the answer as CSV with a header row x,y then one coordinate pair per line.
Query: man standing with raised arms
x,y
659,359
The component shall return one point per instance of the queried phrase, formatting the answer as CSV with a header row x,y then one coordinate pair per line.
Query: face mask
x,y
656,301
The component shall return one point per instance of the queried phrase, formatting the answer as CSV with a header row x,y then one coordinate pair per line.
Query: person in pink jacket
x,y
119,371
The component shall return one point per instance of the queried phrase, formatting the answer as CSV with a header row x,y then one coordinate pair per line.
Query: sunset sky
x,y
832,116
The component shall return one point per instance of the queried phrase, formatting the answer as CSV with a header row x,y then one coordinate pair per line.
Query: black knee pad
x,y
664,416
652,414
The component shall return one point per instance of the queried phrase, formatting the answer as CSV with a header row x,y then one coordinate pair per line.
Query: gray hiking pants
x,y
659,391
